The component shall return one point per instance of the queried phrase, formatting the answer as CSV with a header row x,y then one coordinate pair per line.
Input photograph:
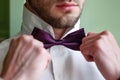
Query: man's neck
x,y
59,32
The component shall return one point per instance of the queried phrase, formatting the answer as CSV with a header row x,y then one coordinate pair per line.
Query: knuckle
x,y
39,50
100,37
89,33
106,33
97,44
31,43
36,43
41,44
23,37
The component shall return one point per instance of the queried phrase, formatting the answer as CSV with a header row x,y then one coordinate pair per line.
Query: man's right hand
x,y
103,49
26,59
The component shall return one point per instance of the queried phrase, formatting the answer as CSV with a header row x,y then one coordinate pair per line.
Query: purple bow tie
x,y
72,40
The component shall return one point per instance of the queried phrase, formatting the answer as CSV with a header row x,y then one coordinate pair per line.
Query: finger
x,y
28,49
91,34
88,58
8,64
110,37
38,62
10,51
89,38
87,54
94,40
22,41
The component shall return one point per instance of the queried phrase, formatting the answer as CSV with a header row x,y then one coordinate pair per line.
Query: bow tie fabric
x,y
72,40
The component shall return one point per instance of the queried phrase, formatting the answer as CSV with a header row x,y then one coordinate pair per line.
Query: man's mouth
x,y
67,5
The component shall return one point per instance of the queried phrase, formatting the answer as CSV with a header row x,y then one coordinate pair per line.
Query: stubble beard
x,y
63,22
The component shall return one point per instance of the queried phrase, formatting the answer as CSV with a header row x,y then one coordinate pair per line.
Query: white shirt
x,y
66,64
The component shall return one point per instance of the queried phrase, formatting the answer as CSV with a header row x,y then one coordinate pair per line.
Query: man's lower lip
x,y
67,7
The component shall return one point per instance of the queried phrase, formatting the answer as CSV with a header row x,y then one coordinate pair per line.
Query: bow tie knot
x,y
72,40
58,42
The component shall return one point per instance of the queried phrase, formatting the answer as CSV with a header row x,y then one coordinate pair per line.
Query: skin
x,y
102,48
26,59
60,19
23,64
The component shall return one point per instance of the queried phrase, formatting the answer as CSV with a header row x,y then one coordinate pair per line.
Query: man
x,y
28,59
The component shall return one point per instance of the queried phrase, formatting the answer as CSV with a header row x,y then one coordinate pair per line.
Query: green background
x,y
4,19
98,15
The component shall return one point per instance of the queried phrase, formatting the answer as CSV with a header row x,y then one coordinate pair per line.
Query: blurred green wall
x,y
98,15
16,11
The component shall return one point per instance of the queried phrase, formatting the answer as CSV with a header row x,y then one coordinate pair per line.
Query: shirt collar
x,y
30,20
